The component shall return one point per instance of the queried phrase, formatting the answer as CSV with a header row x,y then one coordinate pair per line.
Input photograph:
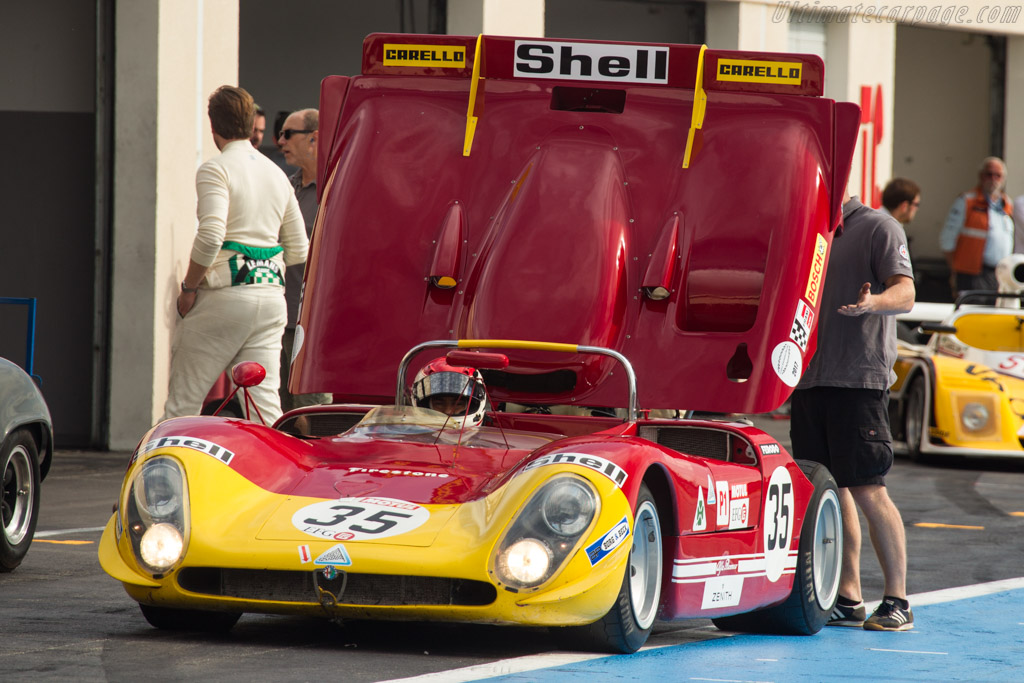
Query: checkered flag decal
x,y
799,334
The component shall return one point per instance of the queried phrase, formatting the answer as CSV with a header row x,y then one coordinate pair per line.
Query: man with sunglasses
x,y
298,143
979,231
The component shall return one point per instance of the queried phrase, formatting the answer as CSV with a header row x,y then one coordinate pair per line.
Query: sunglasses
x,y
287,133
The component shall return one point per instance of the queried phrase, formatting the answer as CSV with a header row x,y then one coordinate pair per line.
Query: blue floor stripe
x,y
975,639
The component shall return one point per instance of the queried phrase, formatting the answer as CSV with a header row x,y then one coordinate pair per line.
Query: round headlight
x,y
158,490
568,507
974,417
161,546
526,562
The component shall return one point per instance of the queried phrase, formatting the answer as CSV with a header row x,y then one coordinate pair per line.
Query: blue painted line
x,y
974,639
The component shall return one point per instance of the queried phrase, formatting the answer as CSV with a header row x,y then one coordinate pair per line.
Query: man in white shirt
x,y
231,304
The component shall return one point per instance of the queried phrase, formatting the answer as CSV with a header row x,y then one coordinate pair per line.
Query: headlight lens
x,y
546,532
974,417
156,514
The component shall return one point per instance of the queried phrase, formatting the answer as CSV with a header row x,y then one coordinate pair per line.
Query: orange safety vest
x,y
970,244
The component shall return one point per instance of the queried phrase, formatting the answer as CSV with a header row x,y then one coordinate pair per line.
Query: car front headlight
x,y
156,514
546,531
974,417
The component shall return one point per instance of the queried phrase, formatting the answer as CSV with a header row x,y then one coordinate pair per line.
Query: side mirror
x,y
248,373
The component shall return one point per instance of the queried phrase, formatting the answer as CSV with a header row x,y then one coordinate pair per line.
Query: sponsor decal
x,y
594,462
778,523
757,71
711,491
786,361
722,591
749,565
304,556
803,320
359,519
599,549
725,565
904,253
722,494
201,445
444,56
398,472
335,556
817,270
770,449
738,490
700,517
590,61
739,512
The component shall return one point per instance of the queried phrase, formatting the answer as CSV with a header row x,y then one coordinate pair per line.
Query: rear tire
x,y
626,626
206,621
819,562
19,499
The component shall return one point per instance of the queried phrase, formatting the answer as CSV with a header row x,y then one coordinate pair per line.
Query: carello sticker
x,y
600,548
444,56
757,71
817,270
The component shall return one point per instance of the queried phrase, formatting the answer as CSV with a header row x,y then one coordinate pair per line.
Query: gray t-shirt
x,y
858,352
306,194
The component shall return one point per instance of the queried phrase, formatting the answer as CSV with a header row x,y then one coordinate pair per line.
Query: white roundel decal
x,y
786,362
778,523
359,519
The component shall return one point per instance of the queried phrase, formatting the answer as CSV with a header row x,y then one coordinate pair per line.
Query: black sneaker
x,y
889,616
847,615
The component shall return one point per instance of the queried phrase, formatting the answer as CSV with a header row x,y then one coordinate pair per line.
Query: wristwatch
x,y
188,290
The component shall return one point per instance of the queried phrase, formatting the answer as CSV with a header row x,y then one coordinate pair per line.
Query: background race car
x,y
564,230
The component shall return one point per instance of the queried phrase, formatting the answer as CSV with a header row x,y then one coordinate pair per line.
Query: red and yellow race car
x,y
547,239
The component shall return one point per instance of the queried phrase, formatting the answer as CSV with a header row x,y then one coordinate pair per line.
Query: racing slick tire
x,y
819,561
171,619
914,420
19,505
626,626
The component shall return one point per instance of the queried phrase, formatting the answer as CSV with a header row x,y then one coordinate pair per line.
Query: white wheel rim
x,y
645,565
827,553
18,495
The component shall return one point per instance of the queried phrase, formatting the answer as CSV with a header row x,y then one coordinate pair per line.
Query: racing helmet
x,y
438,379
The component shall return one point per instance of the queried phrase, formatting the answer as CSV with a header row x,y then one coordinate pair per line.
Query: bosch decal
x,y
817,270
596,463
599,549
201,445
591,62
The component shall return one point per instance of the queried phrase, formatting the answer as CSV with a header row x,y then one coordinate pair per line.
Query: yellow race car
x,y
962,392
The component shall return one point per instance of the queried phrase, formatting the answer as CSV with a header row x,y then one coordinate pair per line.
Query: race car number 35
x,y
359,519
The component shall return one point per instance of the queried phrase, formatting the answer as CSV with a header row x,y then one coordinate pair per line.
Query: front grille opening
x,y
371,590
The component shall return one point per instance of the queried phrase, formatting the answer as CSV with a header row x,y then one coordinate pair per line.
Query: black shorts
x,y
847,430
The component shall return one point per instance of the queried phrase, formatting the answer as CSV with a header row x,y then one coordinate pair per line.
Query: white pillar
x,y
745,26
1013,132
496,17
170,54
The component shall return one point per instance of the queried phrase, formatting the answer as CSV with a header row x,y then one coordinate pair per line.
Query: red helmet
x,y
438,379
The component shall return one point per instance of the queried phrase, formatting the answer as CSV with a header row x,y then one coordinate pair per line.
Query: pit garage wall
x,y
170,55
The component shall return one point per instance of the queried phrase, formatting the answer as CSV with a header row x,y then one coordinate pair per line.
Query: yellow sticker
x,y
750,71
817,270
444,56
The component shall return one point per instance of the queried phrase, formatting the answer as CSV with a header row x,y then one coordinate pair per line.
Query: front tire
x,y
627,625
171,619
19,505
819,562
914,418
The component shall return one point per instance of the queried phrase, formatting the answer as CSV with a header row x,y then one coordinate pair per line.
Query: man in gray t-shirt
x,y
840,407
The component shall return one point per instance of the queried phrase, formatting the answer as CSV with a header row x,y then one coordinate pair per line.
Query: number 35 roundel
x,y
359,519
778,523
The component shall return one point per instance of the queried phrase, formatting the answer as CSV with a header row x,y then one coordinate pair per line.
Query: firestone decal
x,y
359,519
402,473
201,445
594,462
